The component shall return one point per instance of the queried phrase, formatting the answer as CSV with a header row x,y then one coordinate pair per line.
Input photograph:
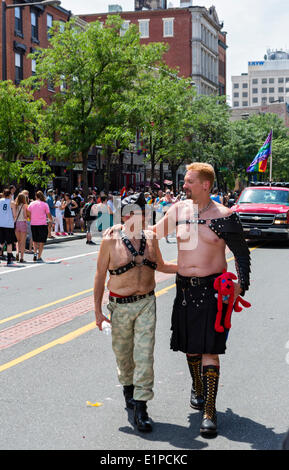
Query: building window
x,y
49,21
245,85
255,91
264,100
245,95
236,85
271,90
281,99
124,28
264,90
245,103
18,67
281,80
236,104
144,28
287,79
236,95
287,90
18,22
281,89
271,80
255,81
33,66
271,99
264,80
34,27
168,27
255,100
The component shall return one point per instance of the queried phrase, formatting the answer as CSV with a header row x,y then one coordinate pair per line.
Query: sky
x,y
253,26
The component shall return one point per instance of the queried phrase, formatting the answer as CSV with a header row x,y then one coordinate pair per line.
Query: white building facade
x,y
266,82
205,49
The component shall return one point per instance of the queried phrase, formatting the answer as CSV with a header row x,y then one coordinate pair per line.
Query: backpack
x,y
86,212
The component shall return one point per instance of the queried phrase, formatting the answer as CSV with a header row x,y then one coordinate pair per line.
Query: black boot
x,y
197,392
141,417
128,395
211,379
9,259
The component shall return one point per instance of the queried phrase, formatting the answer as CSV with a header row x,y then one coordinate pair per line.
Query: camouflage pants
x,y
133,340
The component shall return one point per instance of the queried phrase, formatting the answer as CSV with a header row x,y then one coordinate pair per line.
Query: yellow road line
x,y
63,339
35,352
36,309
73,296
74,334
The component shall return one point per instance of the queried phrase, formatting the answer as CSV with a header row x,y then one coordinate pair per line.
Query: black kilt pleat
x,y
193,320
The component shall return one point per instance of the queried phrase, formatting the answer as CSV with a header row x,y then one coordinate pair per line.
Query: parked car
x,y
263,209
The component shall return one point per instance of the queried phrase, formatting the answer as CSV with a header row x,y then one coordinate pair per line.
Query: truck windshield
x,y
264,196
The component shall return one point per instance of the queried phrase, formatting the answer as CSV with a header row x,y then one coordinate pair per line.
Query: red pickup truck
x,y
263,209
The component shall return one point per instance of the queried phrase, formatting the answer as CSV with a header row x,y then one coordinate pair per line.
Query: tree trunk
x,y
107,181
174,176
84,158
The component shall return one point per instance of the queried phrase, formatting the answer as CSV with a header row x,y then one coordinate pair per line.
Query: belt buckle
x,y
194,281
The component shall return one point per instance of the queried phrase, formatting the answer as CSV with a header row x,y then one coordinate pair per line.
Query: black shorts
x,y
193,318
7,235
39,233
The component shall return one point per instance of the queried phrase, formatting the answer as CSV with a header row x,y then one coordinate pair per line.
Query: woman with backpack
x,y
88,219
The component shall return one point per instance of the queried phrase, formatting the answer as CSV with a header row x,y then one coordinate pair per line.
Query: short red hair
x,y
205,170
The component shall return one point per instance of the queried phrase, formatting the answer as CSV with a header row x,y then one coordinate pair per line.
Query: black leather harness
x,y
231,231
132,250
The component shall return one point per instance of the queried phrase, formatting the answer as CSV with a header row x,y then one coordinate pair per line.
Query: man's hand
x,y
237,292
112,230
99,318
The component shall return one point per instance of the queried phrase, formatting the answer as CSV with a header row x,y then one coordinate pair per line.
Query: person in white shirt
x,y
7,217
59,230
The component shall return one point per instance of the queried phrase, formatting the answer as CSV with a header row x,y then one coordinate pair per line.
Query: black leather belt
x,y
131,298
196,281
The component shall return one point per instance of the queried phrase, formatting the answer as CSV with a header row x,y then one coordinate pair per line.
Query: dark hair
x,y
103,198
40,196
6,193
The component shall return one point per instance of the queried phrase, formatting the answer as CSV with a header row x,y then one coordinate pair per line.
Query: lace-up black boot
x,y
211,379
128,396
197,392
141,417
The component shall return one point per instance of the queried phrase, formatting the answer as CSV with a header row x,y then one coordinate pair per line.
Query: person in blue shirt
x,y
51,204
216,197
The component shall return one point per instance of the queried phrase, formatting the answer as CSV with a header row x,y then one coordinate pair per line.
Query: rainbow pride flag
x,y
123,192
259,163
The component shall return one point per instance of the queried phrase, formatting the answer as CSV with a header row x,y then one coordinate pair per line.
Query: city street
x,y
54,361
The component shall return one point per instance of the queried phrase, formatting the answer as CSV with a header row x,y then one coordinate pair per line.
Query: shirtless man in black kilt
x,y
204,228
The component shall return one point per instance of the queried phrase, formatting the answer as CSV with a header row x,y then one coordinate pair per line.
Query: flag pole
x,y
271,161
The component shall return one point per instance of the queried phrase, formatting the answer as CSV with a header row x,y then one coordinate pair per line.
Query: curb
x,y
65,239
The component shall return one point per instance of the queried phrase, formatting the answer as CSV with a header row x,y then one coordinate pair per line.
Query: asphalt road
x,y
54,360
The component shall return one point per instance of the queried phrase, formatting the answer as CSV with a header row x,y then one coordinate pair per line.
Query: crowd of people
x,y
26,223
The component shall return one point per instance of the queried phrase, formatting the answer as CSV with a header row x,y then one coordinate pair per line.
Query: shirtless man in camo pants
x,y
131,258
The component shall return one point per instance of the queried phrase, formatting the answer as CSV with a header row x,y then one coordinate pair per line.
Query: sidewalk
x,y
77,235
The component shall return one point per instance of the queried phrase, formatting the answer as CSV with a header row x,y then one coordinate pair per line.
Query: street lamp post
x,y
5,7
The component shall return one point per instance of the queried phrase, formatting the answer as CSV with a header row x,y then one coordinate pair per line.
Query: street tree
x,y
90,70
20,118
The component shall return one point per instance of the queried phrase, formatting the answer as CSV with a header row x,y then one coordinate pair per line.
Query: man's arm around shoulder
x,y
163,266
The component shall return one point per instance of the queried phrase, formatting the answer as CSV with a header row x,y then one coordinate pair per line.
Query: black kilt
x,y
39,233
193,318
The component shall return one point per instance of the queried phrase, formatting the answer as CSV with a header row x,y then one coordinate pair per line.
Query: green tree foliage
x,y
20,123
91,70
248,136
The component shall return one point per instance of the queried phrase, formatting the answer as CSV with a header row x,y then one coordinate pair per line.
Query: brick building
x,y
26,29
197,45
